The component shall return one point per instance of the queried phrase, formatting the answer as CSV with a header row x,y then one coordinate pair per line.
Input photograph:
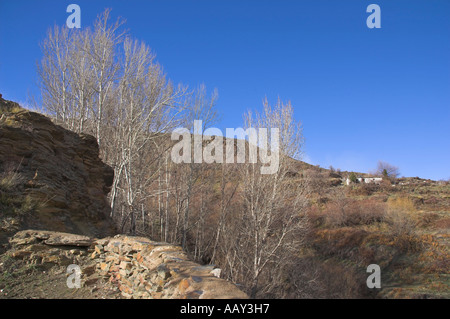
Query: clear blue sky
x,y
362,94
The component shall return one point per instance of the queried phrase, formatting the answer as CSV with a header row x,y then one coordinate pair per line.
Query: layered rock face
x,y
58,170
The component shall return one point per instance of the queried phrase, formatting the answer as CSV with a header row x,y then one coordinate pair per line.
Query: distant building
x,y
366,180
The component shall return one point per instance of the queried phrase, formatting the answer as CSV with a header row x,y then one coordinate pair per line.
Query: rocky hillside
x,y
53,182
50,178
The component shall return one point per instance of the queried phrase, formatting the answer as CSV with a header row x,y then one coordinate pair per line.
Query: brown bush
x,y
354,212
341,282
427,219
363,189
315,216
399,216
443,223
339,242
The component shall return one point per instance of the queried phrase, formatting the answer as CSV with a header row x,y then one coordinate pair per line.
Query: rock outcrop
x,y
135,267
146,269
57,170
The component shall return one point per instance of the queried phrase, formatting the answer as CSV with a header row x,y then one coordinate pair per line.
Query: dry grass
x,y
15,205
349,212
443,223
400,216
9,180
13,109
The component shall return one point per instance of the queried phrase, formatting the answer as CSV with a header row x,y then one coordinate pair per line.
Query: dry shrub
x,y
399,216
339,242
443,223
341,282
435,256
386,186
406,243
299,279
400,223
10,176
403,204
317,180
428,219
431,201
352,212
363,189
315,216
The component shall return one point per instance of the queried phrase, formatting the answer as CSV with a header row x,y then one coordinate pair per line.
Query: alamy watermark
x,y
73,20
263,146
74,278
374,20
374,280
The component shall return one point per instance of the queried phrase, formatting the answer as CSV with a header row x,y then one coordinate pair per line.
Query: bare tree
x,y
272,221
228,187
81,82
147,106
103,61
103,83
54,72
387,170
200,108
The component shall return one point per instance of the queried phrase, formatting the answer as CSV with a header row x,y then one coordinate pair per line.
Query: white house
x,y
366,180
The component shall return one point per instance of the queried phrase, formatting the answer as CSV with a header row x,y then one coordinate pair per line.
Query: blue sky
x,y
362,94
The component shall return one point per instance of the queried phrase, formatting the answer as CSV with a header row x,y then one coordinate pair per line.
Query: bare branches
x,y
272,222
387,170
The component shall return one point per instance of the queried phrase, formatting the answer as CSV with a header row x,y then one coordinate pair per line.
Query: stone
x,y
91,280
64,239
196,278
21,254
94,255
75,252
127,295
64,261
216,272
104,267
183,285
98,249
114,268
24,241
88,270
111,259
123,273
139,257
50,260
124,258
194,294
148,287
126,289
163,272
126,265
156,295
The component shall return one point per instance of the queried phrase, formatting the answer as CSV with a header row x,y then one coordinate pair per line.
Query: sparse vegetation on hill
x,y
387,226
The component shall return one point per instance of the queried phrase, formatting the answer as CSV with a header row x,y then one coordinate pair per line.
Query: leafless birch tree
x,y
272,223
